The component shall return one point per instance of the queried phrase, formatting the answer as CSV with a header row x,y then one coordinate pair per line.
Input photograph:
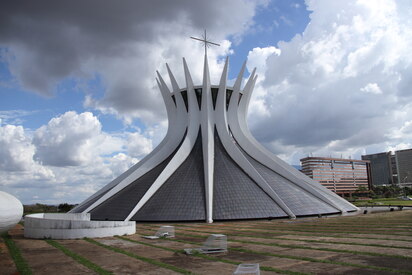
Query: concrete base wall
x,y
67,216
73,226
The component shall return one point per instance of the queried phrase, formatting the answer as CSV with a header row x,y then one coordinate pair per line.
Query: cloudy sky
x,y
79,102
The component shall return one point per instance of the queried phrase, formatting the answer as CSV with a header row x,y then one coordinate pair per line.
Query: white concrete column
x,y
208,145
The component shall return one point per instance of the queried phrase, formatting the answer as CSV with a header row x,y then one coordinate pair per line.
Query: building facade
x,y
389,168
404,166
342,176
383,168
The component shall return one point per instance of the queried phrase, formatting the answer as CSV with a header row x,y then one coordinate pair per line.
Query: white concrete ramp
x,y
73,226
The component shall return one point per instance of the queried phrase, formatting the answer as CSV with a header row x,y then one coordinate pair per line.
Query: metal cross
x,y
205,42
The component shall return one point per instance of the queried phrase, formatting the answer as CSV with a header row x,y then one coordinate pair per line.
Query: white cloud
x,y
18,170
68,140
16,150
257,59
400,146
372,88
138,145
407,127
122,43
73,158
14,117
321,91
120,162
340,88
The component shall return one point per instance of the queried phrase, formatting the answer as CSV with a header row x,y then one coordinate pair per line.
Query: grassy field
x,y
385,201
364,244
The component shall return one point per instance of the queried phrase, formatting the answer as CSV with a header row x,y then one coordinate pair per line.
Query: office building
x,y
383,168
342,176
404,166
389,168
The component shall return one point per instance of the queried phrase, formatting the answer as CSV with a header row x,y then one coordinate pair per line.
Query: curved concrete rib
x,y
171,113
238,83
238,126
314,185
168,145
175,86
208,143
235,153
184,150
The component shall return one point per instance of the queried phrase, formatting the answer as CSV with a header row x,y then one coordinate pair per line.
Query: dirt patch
x,y
6,262
199,240
387,262
117,242
112,261
44,258
238,256
192,263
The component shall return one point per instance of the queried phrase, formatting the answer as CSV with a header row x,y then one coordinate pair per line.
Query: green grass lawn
x,y
384,201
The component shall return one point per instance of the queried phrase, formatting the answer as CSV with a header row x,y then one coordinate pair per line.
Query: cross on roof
x,y
205,41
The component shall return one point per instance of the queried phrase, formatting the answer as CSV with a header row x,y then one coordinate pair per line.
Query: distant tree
x,y
361,191
394,191
39,208
45,208
407,191
65,207
378,191
386,191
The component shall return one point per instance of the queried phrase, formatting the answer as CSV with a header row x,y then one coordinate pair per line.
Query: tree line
x,y
45,208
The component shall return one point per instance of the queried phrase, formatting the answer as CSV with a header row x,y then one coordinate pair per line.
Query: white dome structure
x,y
11,211
209,166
